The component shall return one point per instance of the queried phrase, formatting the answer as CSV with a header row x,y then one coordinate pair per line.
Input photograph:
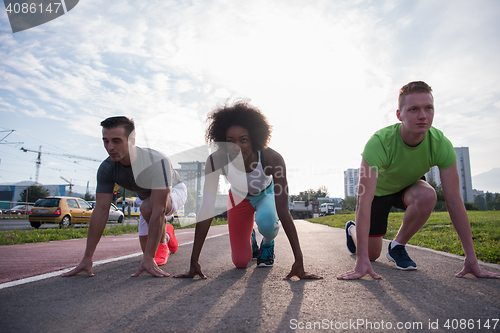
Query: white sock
x,y
168,238
349,230
394,243
163,243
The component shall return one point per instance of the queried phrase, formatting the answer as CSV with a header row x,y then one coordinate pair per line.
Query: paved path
x,y
257,299
27,260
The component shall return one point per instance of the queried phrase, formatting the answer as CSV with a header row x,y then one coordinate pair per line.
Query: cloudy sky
x,y
326,74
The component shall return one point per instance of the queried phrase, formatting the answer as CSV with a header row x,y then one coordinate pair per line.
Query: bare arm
x,y
366,192
456,208
458,215
97,224
278,171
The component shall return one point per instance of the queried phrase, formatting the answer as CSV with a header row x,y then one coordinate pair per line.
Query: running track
x,y
23,263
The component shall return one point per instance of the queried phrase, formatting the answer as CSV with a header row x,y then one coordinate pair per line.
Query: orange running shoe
x,y
162,254
173,246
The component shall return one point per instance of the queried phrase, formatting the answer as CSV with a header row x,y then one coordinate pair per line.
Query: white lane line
x,y
57,273
97,263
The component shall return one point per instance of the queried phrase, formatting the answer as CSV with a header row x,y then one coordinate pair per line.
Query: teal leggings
x,y
241,213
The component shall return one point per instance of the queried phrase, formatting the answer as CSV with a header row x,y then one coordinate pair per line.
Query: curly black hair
x,y
243,114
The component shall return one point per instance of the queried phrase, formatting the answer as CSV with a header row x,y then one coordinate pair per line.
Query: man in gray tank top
x,y
148,173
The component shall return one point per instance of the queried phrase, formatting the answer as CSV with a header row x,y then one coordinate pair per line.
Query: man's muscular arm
x,y
460,220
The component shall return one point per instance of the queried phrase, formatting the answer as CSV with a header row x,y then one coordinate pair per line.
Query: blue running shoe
x,y
350,242
255,247
266,258
399,255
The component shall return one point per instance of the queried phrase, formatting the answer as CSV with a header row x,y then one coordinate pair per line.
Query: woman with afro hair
x,y
259,189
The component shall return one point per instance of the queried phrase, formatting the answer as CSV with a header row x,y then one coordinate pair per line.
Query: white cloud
x,y
325,73
5,106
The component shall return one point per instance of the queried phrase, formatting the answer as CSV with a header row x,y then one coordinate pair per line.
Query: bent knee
x,y
269,230
373,256
424,196
430,197
146,211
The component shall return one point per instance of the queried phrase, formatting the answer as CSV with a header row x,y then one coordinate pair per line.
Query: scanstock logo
x,y
25,14
147,163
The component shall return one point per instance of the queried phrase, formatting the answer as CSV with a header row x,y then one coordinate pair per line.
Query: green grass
x,y
11,237
438,233
13,217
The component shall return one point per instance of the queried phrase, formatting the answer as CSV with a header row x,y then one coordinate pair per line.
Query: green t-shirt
x,y
399,165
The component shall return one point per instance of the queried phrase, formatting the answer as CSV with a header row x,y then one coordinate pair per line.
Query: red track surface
x,y
22,261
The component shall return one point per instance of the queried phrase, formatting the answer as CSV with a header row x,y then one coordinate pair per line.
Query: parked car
x,y
18,210
61,210
114,213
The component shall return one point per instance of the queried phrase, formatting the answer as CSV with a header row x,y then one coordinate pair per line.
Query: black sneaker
x,y
349,241
399,255
255,247
266,258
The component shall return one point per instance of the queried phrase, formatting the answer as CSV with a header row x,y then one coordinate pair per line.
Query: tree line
x,y
34,192
310,194
490,201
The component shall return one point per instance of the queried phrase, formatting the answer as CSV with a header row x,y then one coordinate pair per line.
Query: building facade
x,y
433,176
193,174
10,194
464,174
351,180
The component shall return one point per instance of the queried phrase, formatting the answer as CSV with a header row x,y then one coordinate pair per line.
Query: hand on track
x,y
84,266
298,270
149,265
193,271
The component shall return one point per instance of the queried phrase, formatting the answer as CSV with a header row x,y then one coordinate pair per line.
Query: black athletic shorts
x,y
381,206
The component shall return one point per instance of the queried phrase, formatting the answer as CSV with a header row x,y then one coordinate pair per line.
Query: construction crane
x,y
39,159
70,186
10,132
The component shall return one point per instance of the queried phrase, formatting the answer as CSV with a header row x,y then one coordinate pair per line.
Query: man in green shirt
x,y
391,174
